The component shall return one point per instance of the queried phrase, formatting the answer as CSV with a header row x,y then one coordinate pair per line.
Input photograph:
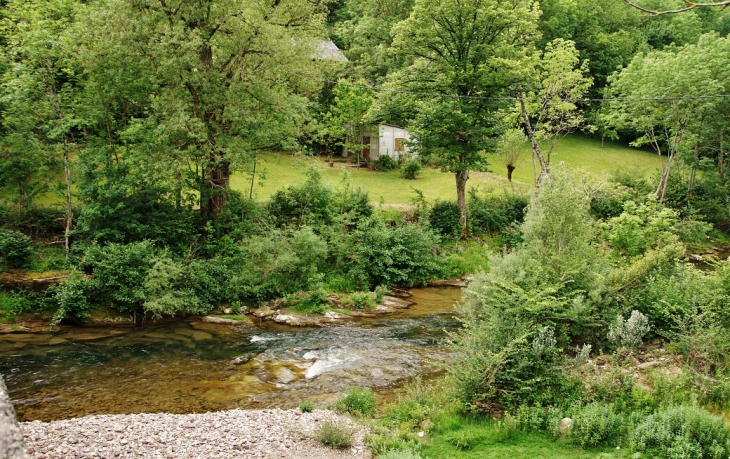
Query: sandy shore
x,y
225,434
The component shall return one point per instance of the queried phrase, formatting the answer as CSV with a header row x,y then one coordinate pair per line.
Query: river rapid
x,y
188,366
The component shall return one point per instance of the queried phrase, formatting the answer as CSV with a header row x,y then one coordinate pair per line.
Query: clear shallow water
x,y
187,366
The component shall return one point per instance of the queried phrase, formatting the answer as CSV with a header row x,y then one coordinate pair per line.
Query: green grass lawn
x,y
519,446
576,151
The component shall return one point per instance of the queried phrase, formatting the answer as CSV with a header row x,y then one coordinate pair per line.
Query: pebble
x,y
274,434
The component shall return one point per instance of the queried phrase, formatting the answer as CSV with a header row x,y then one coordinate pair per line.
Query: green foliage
x,y
410,169
15,248
682,432
628,334
395,256
597,424
306,204
443,217
307,406
491,213
13,304
74,296
380,292
272,266
362,300
384,163
640,228
119,272
358,402
336,435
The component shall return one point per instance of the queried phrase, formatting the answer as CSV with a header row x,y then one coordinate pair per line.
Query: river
x,y
188,366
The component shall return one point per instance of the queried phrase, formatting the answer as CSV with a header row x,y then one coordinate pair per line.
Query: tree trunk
x,y
461,178
510,169
721,160
218,191
253,177
535,146
69,207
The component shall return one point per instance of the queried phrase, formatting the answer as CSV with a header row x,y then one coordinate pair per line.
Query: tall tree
x,y
547,102
41,92
217,80
659,97
466,52
346,118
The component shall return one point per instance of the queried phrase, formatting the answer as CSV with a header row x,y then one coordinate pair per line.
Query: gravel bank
x,y
225,434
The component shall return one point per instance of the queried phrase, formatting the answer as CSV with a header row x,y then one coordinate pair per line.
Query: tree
x,y
41,92
215,80
547,108
346,118
664,110
465,52
688,6
510,149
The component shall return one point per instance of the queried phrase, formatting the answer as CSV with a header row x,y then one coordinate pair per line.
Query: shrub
x,y
314,302
362,300
307,406
13,304
597,424
380,292
444,218
15,248
384,163
628,333
683,432
119,271
74,296
395,256
307,204
358,402
329,433
490,213
410,169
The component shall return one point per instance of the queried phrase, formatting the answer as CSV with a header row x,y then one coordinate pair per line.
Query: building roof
x,y
329,50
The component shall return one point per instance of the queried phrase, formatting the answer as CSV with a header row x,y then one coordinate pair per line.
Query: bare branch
x,y
690,5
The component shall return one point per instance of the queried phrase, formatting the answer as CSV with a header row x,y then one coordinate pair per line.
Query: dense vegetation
x,y
122,122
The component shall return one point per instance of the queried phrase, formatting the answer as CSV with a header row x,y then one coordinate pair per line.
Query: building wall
x,y
388,144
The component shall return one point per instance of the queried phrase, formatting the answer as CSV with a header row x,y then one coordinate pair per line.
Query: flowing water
x,y
191,366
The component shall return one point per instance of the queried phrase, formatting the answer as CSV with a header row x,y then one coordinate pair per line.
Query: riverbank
x,y
230,434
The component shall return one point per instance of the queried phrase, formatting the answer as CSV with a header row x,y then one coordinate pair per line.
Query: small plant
x,y
628,333
380,292
384,163
597,424
307,406
464,439
362,300
330,433
410,169
358,402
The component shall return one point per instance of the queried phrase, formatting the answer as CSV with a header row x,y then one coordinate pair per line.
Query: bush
x,y
307,406
329,433
362,300
627,334
683,432
384,163
380,292
15,248
597,424
13,304
410,169
358,402
444,218
491,212
307,204
394,256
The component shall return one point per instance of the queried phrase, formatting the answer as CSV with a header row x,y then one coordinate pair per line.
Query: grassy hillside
x,y
576,151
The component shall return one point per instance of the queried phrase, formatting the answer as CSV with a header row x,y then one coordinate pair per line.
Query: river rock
x,y
264,312
285,376
565,425
221,320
